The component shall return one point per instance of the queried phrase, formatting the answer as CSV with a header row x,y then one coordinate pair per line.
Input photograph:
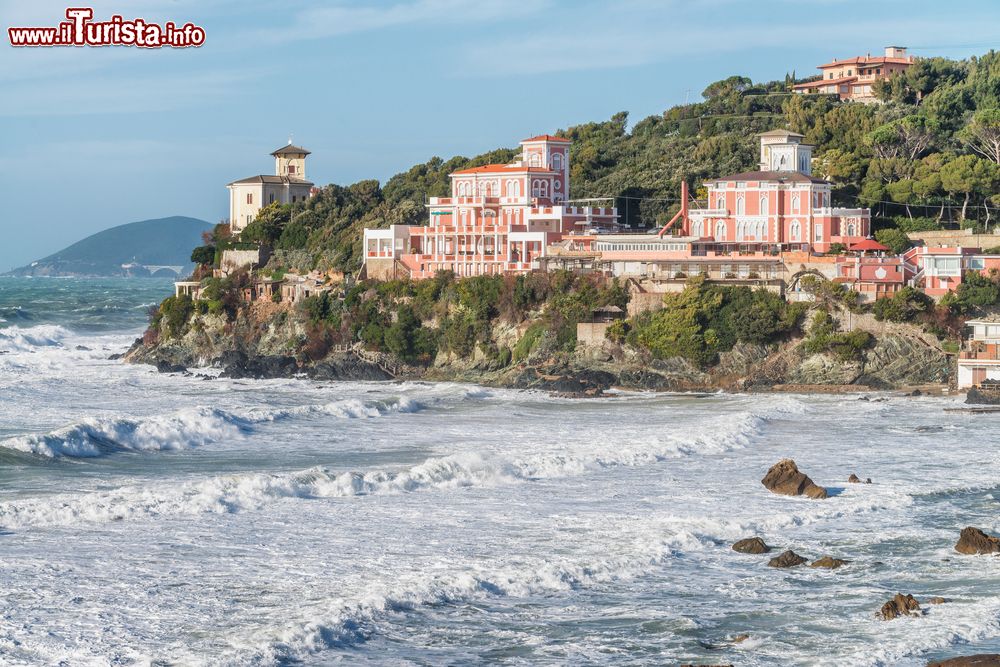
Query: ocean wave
x,y
20,339
192,427
99,436
253,491
352,408
347,622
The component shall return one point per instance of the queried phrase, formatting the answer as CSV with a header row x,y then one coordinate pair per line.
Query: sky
x,y
97,137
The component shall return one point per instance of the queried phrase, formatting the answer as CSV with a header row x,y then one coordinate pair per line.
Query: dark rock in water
x,y
114,357
936,600
981,660
82,348
348,368
854,479
901,605
566,381
784,478
751,545
829,562
787,559
167,367
693,665
238,365
985,395
739,639
973,541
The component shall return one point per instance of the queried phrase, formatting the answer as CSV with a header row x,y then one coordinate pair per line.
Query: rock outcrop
x,y
901,605
829,562
936,600
973,541
854,479
751,545
784,478
787,559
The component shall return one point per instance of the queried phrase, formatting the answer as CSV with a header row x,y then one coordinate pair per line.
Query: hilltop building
x,y
781,206
852,79
500,218
288,185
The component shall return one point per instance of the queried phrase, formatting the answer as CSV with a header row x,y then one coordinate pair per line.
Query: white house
x,y
288,185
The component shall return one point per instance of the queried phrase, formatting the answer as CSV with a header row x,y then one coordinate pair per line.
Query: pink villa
x,y
852,79
782,206
500,218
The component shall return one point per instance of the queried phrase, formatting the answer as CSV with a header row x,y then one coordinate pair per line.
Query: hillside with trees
x,y
928,157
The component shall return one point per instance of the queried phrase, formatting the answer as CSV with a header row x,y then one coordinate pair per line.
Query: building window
x,y
291,169
270,198
557,162
795,231
795,204
720,231
763,205
249,197
740,206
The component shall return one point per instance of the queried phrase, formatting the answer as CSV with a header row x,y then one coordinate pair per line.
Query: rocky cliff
x,y
266,340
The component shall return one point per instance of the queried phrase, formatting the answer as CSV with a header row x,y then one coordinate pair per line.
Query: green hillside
x,y
926,157
162,241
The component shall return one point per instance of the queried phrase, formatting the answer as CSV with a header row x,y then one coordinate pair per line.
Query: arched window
x,y
696,229
851,229
795,204
534,160
763,205
720,231
557,162
795,231
536,186
721,203
761,231
740,206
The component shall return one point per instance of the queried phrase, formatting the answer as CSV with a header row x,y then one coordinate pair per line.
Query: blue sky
x,y
96,137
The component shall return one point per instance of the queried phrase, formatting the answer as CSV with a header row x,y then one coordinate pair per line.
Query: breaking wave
x,y
239,492
99,436
185,429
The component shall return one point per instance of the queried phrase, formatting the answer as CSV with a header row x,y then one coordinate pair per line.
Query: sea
x,y
157,519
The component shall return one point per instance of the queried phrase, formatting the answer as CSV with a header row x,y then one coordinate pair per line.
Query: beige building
x,y
288,185
853,78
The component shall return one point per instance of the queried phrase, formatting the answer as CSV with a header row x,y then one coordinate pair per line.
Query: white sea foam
x,y
239,492
191,427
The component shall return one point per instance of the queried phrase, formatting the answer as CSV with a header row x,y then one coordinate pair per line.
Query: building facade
x,y
980,360
780,207
288,185
499,218
853,78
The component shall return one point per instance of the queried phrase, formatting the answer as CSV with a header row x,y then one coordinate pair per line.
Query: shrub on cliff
x,y
173,315
824,338
705,319
906,305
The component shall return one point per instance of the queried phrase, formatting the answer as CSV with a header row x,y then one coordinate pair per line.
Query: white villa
x,y
288,185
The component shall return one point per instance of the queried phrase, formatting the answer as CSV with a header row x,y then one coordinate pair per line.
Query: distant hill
x,y
163,242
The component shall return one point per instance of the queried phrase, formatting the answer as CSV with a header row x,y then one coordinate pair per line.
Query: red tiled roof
x,y
547,137
768,176
501,168
867,60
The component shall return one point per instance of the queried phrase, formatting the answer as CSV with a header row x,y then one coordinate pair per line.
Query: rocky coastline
x,y
899,360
